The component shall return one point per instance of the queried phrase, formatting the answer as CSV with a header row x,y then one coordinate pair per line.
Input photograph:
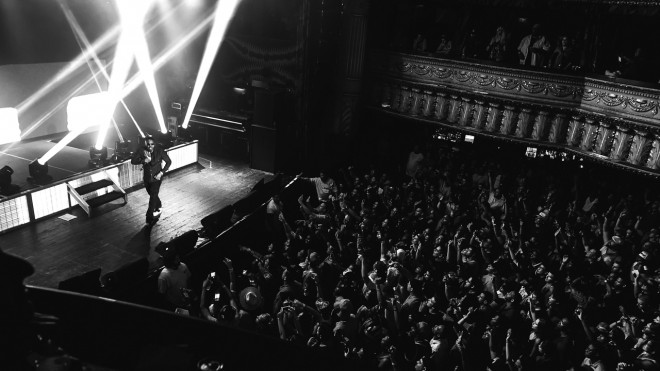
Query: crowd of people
x,y
535,49
456,262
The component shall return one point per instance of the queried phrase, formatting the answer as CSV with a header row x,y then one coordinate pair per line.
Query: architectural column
x,y
589,135
441,107
454,108
386,96
557,129
653,161
406,96
522,129
352,55
396,96
508,119
639,148
480,112
466,112
429,99
540,126
574,131
416,102
494,117
621,144
604,139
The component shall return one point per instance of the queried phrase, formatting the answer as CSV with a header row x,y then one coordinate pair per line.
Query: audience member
x,y
533,48
498,47
504,267
564,57
444,47
174,279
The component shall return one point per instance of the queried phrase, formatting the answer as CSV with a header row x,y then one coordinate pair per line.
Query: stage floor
x,y
117,235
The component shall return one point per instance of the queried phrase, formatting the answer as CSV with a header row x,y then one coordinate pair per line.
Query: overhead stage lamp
x,y
39,173
184,134
6,188
166,140
122,151
98,157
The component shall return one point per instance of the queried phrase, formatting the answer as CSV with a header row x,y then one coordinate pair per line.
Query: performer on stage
x,y
152,158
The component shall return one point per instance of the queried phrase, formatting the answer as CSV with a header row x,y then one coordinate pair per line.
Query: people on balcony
x,y
565,56
420,43
498,48
472,47
444,47
533,48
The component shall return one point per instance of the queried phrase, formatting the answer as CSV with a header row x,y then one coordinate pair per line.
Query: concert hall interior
x,y
330,184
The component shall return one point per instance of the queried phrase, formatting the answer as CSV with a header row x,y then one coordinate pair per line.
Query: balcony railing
x,y
610,120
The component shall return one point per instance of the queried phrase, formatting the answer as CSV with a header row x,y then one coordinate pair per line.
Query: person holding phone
x,y
152,158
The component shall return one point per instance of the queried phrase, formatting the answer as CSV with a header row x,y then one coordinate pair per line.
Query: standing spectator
x,y
415,159
174,279
533,48
324,185
498,47
564,56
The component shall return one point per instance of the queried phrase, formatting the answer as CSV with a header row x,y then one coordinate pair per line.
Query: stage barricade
x,y
28,206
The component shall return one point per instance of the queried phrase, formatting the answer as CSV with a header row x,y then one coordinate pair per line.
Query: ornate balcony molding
x,y
630,102
609,121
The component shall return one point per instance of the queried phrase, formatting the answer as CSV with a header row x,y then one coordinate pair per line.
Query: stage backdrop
x,y
42,112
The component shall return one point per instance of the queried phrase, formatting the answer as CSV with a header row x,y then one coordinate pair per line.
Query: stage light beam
x,y
223,14
88,49
82,113
131,14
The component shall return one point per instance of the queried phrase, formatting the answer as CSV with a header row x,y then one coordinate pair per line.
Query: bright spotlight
x,y
223,15
83,111
131,13
9,128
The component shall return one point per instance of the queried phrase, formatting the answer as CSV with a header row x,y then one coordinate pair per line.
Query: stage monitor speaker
x,y
126,277
218,221
263,148
87,283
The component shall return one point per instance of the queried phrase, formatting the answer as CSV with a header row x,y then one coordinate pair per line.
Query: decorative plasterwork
x,y
638,104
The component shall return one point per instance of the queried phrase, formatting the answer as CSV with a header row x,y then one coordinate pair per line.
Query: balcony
x,y
610,120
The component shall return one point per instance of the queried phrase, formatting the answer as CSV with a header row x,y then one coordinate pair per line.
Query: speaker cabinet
x,y
263,148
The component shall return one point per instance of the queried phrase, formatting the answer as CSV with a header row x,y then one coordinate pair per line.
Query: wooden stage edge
x,y
61,248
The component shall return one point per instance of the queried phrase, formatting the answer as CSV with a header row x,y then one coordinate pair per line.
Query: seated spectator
x,y
533,48
420,43
444,47
498,47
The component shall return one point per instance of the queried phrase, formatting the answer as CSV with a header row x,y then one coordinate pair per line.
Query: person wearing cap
x,y
250,299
